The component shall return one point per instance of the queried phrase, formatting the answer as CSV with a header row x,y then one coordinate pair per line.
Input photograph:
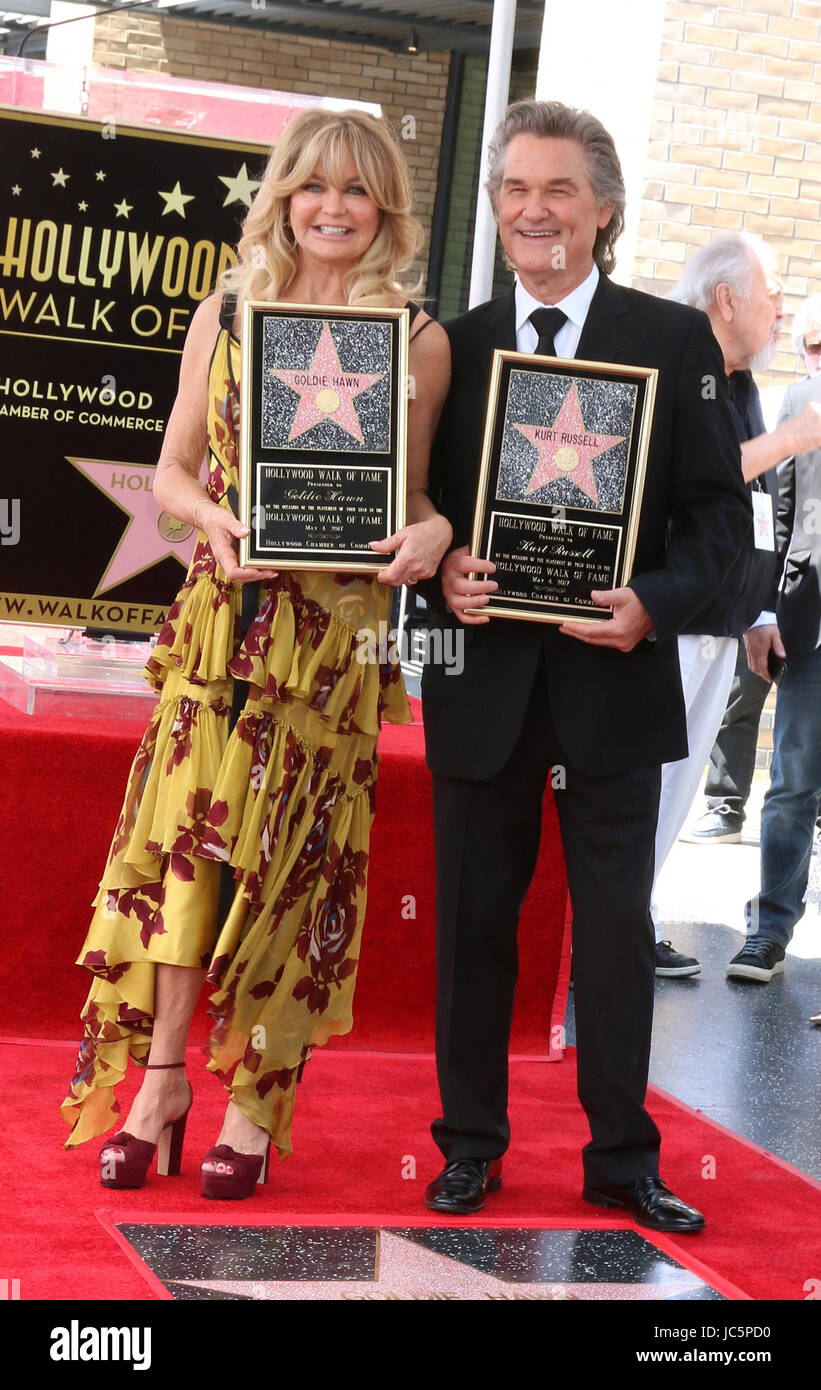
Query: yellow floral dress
x,y
286,800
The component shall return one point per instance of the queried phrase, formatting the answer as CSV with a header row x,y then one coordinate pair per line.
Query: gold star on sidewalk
x,y
16,190
240,187
100,175
175,200
123,209
61,178
35,154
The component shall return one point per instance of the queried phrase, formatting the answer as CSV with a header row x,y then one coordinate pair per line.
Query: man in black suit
x,y
602,700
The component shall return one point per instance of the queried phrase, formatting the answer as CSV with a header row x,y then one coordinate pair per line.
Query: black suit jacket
x,y
798,535
612,710
747,588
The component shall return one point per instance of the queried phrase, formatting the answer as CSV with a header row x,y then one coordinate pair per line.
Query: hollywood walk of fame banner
x,y
323,434
110,237
560,484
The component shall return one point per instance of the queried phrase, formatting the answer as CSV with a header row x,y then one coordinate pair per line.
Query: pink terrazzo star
x,y
151,534
325,391
567,449
406,1272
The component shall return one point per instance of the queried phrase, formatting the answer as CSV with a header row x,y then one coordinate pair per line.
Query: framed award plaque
x,y
560,485
323,427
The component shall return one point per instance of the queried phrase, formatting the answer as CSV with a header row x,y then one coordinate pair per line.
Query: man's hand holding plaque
x,y
462,589
628,626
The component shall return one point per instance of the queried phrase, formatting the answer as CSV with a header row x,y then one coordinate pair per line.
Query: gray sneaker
x,y
759,959
718,826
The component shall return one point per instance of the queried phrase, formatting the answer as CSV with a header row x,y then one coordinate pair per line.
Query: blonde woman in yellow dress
x,y
286,800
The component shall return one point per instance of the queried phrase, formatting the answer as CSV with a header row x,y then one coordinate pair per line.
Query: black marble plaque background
x,y
536,398
289,344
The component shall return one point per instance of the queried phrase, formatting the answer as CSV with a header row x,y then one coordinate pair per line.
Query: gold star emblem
x,y
82,207
175,200
16,190
100,175
240,187
60,178
35,154
123,209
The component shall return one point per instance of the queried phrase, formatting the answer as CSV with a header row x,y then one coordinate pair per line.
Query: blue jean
x,y
791,804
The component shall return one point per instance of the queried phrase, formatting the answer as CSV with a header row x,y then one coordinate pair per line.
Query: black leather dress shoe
x,y
462,1184
649,1203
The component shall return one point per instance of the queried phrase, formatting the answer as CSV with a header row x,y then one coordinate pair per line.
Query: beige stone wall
x,y
404,84
736,143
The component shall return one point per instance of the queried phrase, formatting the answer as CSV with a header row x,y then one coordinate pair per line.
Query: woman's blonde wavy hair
x,y
268,254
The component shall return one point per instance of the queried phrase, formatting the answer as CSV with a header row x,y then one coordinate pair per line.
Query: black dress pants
x,y
732,761
486,842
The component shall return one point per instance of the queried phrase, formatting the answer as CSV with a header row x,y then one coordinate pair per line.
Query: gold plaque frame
x,y
327,464
561,519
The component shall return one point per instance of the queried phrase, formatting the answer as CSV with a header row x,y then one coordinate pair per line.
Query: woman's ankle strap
x,y
162,1066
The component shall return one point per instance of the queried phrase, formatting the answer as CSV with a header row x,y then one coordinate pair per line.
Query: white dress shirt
x,y
575,305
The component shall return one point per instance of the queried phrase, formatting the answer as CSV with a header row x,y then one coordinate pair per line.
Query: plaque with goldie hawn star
x,y
560,484
323,427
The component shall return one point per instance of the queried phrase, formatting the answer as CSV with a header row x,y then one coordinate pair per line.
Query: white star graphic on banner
x,y
240,187
123,209
175,200
61,178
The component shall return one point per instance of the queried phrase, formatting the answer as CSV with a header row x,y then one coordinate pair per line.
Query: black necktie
x,y
547,323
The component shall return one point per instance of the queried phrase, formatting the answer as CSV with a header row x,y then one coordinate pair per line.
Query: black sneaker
x,y
759,959
673,963
718,826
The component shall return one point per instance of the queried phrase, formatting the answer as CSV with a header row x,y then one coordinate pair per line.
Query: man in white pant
x,y
735,280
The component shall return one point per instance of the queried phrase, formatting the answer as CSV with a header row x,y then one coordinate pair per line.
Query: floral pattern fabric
x,y
286,801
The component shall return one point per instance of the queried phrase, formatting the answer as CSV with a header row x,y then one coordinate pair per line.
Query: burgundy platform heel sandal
x,y
128,1168
248,1170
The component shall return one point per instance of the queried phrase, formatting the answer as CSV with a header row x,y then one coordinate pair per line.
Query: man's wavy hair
x,y
553,120
268,254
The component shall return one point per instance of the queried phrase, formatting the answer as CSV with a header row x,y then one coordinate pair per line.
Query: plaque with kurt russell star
x,y
560,484
323,427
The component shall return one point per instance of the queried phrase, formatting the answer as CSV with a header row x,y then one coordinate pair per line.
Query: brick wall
x,y
404,84
735,143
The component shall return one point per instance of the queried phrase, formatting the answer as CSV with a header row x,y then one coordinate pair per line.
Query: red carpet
x,y
359,1117
66,777
361,1113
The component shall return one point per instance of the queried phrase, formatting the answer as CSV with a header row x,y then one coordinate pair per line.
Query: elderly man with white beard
x,y
735,280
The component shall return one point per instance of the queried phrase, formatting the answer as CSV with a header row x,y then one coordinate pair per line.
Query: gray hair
x,y
806,321
726,260
552,120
